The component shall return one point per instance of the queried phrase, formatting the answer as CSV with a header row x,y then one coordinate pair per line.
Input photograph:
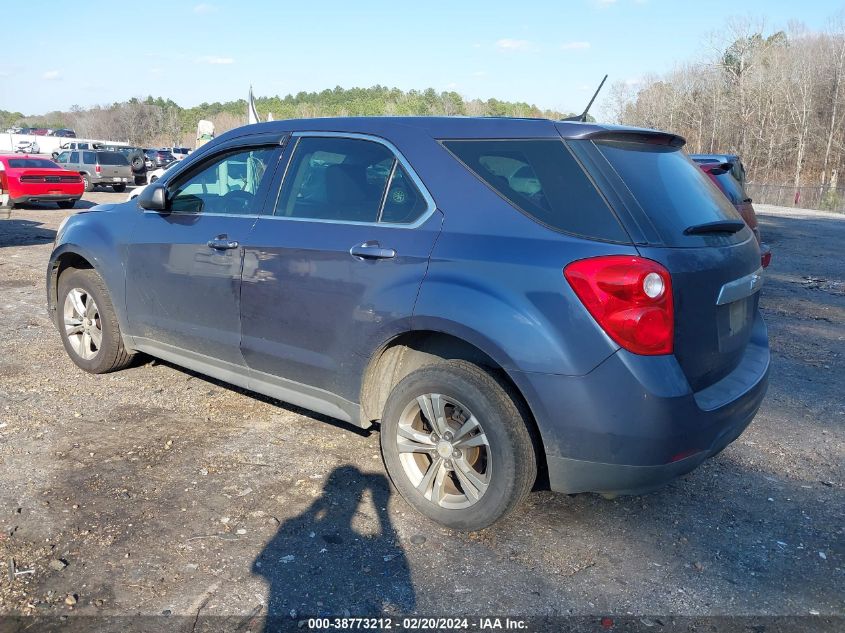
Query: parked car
x,y
41,131
593,326
159,157
75,145
179,153
137,160
728,174
27,147
25,179
99,167
151,176
64,133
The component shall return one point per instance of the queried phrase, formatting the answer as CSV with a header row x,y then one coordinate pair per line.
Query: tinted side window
x,y
339,179
403,203
89,158
542,179
228,184
74,157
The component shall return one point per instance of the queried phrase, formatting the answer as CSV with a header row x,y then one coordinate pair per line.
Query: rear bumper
x,y
38,197
633,423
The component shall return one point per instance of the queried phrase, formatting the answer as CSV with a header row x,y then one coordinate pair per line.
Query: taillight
x,y
630,298
3,182
97,168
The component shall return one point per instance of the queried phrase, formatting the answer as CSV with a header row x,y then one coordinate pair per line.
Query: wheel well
x,y
62,263
412,350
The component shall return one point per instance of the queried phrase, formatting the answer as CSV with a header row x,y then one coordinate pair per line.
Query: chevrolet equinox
x,y
515,303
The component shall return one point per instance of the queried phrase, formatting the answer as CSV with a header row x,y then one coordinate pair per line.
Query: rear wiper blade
x,y
719,226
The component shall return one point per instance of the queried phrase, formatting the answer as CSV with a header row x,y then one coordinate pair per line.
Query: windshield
x,y
671,189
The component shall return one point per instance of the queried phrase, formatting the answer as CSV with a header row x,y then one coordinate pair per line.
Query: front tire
x,y
88,323
457,445
119,188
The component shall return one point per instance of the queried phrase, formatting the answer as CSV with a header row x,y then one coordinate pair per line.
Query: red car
x,y
722,170
34,179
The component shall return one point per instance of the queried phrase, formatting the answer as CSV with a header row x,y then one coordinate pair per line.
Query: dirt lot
x,y
157,491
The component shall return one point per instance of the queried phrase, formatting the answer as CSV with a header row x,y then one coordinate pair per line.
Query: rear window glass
x,y
112,158
730,187
32,163
671,189
542,179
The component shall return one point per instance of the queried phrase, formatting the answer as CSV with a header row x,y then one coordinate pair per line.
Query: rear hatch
x,y
114,167
679,218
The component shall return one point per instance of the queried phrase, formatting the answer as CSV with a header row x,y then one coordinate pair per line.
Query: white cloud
x,y
507,44
633,81
51,75
574,46
215,61
204,9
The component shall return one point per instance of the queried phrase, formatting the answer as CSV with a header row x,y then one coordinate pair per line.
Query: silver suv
x,y
99,167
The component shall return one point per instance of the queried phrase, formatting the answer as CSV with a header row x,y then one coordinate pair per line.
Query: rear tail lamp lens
x,y
630,298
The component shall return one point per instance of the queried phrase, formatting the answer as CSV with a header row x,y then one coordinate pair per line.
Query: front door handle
x,y
371,250
222,243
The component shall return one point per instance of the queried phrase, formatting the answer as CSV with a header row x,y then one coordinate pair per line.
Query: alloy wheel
x,y
444,451
83,326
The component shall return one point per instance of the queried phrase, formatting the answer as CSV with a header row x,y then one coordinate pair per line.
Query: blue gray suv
x,y
515,303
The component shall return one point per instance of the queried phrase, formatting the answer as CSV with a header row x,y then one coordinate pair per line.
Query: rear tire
x,y
86,180
119,188
476,462
66,204
88,324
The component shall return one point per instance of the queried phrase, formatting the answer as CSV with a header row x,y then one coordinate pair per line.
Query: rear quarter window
x,y
543,180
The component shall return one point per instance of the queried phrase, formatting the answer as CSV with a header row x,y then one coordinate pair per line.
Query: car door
x,y
183,266
334,267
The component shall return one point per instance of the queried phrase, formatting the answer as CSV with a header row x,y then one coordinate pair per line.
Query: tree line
x,y
162,122
776,99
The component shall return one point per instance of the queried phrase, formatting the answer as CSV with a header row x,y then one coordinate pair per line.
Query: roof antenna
x,y
583,116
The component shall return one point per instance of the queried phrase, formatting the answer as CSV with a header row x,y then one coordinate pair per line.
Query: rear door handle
x,y
222,243
371,250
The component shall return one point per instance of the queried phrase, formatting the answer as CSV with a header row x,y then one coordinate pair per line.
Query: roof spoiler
x,y
650,137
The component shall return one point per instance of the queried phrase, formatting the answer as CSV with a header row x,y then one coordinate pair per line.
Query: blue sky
x,y
548,53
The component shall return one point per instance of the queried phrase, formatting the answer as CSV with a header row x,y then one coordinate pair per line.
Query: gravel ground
x,y
155,490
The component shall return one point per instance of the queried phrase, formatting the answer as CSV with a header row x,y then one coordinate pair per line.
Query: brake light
x,y
97,168
3,182
630,298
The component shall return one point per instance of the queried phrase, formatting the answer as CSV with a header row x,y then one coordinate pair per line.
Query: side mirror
x,y
153,198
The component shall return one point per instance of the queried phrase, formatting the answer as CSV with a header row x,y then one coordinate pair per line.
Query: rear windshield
x,y
542,179
730,187
112,158
672,190
32,163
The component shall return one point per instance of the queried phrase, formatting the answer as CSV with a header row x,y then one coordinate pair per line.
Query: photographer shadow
x,y
319,565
